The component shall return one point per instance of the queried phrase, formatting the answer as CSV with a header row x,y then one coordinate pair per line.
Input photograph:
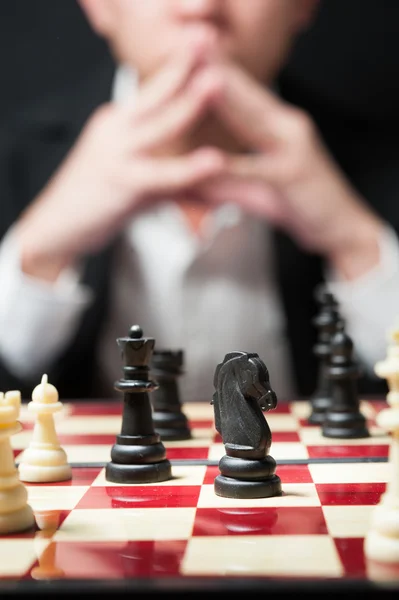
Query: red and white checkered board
x,y
91,529
87,432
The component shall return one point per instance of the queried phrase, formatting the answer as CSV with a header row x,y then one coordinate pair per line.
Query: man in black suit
x,y
192,121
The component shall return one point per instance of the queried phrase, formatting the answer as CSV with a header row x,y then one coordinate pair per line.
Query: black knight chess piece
x,y
169,419
326,322
343,418
242,392
138,456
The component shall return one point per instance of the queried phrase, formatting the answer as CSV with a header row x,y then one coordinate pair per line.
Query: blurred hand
x,y
112,172
289,179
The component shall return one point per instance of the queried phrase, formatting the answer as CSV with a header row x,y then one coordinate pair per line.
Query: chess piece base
x,y
171,426
345,425
247,469
18,520
319,405
379,571
173,435
382,548
138,473
244,489
382,541
137,450
44,473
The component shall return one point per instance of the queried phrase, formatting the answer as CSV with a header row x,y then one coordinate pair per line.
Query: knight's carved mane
x,y
238,418
228,364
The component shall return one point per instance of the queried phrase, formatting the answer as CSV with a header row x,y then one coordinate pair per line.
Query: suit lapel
x,y
298,274
37,139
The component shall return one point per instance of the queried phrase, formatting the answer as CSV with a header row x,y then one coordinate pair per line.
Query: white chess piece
x,y
44,460
382,541
15,512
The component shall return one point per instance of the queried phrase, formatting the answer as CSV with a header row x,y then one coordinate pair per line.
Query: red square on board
x,y
201,424
86,439
282,408
348,494
187,453
351,553
86,409
140,496
343,451
260,521
294,473
285,436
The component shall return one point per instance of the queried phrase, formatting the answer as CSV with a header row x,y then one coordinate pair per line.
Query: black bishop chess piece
x,y
343,419
138,456
169,419
326,323
242,392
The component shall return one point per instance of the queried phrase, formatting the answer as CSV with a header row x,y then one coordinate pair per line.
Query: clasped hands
x,y
118,167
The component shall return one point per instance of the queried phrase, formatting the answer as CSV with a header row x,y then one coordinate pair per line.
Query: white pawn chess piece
x,y
44,460
15,512
382,541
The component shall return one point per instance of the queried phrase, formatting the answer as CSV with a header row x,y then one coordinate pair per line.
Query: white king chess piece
x,y
44,460
382,541
15,513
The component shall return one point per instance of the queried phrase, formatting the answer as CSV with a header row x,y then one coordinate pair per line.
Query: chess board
x,y
87,432
179,533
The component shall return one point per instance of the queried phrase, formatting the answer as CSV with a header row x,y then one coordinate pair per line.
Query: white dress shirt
x,y
207,295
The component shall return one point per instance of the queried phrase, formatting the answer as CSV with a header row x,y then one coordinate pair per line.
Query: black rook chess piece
x,y
138,456
343,418
326,322
169,420
243,391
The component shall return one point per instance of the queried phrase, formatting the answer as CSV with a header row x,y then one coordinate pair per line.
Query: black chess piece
x,y
169,419
326,322
138,456
343,418
242,392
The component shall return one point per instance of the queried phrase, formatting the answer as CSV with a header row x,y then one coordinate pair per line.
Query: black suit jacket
x,y
32,145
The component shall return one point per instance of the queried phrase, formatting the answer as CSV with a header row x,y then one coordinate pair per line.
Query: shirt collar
x,y
125,84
